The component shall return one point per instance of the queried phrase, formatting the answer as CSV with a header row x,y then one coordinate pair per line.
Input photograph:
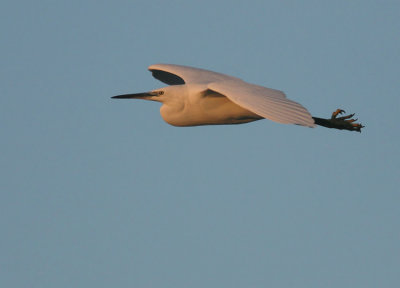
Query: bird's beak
x,y
136,95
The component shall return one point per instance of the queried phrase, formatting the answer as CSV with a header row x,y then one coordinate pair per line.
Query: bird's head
x,y
163,95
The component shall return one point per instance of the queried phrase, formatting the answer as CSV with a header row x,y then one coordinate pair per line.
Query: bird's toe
x,y
337,112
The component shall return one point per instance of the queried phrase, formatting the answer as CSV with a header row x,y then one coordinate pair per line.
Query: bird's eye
x,y
160,92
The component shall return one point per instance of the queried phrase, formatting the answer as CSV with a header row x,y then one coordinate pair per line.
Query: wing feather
x,y
269,103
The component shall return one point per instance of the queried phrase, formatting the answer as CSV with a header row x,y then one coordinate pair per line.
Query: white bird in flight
x,y
201,97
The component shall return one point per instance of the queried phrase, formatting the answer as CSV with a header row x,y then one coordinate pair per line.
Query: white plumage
x,y
268,103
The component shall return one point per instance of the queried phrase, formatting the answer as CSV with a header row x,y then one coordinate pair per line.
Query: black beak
x,y
135,95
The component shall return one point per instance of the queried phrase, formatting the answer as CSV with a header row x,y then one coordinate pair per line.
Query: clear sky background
x,y
98,192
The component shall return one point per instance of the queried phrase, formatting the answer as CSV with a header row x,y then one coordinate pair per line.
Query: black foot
x,y
342,123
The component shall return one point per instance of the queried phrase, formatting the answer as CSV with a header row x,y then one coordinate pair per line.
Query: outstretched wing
x,y
268,103
178,74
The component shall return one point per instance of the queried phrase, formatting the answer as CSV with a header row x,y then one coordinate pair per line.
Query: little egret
x,y
201,97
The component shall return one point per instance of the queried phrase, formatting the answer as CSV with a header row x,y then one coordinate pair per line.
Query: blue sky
x,y
99,193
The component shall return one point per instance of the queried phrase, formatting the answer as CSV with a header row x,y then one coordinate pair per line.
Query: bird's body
x,y
201,97
195,104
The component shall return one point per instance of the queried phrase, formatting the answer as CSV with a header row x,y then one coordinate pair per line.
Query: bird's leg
x,y
343,123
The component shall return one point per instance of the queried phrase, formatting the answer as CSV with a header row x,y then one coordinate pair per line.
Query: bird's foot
x,y
346,122
343,123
